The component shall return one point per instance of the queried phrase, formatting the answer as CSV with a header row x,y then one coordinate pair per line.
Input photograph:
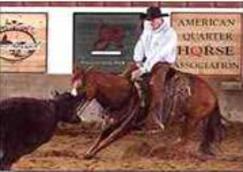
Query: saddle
x,y
177,91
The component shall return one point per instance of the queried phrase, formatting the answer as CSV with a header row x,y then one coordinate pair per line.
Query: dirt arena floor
x,y
138,150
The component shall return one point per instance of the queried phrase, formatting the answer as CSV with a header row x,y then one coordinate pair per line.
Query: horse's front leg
x,y
112,134
104,134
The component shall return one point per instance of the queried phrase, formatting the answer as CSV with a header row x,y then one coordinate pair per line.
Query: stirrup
x,y
140,94
142,103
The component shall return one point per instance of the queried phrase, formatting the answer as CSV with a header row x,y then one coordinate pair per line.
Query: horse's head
x,y
77,81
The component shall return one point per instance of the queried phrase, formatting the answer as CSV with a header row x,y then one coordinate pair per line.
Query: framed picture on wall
x,y
105,40
23,42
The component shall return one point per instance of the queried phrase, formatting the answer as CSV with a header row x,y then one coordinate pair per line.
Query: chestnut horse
x,y
121,101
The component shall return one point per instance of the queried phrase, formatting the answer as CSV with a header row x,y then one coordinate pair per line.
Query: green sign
x,y
105,40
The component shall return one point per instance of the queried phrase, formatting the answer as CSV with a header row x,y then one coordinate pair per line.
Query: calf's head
x,y
67,105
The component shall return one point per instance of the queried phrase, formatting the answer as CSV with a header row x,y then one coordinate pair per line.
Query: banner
x,y
23,39
105,40
208,43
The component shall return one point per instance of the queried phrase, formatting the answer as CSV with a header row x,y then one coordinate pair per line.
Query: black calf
x,y
27,123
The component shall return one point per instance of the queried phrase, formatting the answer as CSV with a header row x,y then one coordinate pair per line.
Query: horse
x,y
119,97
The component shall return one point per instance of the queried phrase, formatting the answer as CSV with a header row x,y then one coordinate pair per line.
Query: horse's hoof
x,y
205,157
178,141
88,156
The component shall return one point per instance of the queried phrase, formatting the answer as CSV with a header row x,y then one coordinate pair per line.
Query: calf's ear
x,y
54,93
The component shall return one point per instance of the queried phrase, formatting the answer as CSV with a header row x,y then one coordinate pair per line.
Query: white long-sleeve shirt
x,y
156,45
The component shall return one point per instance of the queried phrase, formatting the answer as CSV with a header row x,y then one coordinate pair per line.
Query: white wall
x,y
60,29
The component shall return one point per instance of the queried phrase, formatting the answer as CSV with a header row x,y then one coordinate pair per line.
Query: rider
x,y
154,52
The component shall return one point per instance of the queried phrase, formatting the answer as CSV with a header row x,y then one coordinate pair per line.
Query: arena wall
x,y
60,49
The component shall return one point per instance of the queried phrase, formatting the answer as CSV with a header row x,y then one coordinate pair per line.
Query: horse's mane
x,y
108,75
104,75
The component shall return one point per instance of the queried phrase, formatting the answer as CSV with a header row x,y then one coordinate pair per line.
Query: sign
x,y
105,40
23,40
208,43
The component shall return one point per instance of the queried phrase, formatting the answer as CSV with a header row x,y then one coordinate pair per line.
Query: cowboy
x,y
154,52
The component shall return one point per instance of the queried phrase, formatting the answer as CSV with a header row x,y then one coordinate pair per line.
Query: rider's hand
x,y
136,75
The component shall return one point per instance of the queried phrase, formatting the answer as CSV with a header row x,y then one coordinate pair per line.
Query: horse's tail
x,y
213,130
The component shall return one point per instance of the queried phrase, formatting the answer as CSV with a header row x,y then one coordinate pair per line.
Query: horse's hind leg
x,y
189,127
213,131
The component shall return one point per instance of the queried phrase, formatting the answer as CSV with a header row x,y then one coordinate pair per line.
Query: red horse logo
x,y
109,34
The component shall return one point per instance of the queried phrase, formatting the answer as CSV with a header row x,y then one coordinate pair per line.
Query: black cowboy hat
x,y
154,12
